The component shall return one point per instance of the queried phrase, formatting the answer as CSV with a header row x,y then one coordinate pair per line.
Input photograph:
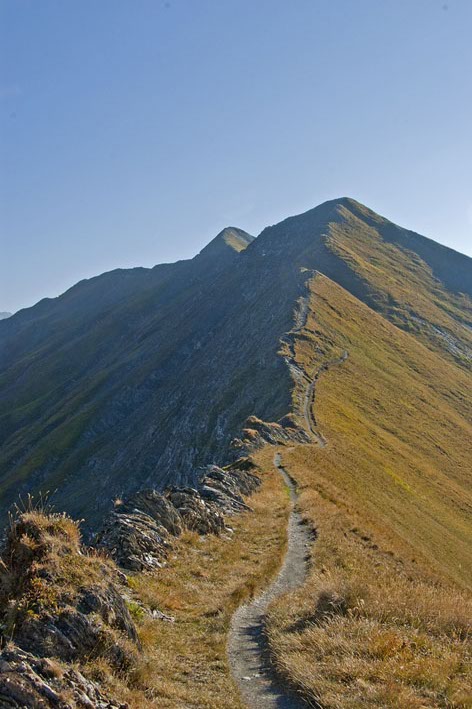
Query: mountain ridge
x,y
146,374
247,239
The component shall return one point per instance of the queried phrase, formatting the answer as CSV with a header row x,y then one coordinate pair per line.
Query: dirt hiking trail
x,y
247,646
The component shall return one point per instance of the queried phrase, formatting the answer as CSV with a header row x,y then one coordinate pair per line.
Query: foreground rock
x,y
63,605
135,541
37,683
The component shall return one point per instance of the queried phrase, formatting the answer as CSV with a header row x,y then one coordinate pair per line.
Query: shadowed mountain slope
x,y
137,377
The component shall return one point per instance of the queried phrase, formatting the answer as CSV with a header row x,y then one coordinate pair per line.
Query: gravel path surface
x,y
247,647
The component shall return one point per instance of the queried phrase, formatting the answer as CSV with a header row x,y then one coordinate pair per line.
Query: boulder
x,y
40,683
157,507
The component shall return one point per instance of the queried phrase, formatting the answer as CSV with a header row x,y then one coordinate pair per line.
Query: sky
x,y
132,132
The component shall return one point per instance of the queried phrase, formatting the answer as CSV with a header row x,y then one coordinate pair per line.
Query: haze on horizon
x,y
132,135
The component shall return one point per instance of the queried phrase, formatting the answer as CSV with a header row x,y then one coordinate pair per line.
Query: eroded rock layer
x,y
139,533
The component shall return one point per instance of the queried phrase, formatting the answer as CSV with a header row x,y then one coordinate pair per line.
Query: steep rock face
x,y
145,395
137,378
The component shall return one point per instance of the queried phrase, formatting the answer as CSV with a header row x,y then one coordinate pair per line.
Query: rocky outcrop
x,y
156,506
256,433
134,540
139,533
198,515
38,683
226,487
58,599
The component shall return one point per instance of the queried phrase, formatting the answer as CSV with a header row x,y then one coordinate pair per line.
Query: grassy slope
x,y
382,619
402,285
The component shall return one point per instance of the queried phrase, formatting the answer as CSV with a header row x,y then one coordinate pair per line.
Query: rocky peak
x,y
229,242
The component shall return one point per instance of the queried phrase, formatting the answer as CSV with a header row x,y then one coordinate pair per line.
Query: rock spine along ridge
x,y
140,531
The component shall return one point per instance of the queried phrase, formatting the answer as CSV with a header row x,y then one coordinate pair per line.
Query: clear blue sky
x,y
132,132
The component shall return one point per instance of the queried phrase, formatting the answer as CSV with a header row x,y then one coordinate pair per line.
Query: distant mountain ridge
x,y
138,377
4,315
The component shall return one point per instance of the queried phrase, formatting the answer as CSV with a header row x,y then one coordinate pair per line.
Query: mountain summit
x,y
223,249
138,377
229,238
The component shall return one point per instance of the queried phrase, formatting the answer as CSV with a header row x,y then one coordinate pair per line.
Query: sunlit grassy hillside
x,y
384,616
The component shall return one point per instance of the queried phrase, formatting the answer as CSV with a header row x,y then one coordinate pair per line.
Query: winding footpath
x,y
300,375
310,393
248,647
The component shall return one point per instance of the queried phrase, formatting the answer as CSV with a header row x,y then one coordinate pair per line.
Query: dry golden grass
x,y
384,618
48,565
368,629
184,664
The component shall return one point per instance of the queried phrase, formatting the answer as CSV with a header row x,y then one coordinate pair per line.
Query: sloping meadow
x,y
384,619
